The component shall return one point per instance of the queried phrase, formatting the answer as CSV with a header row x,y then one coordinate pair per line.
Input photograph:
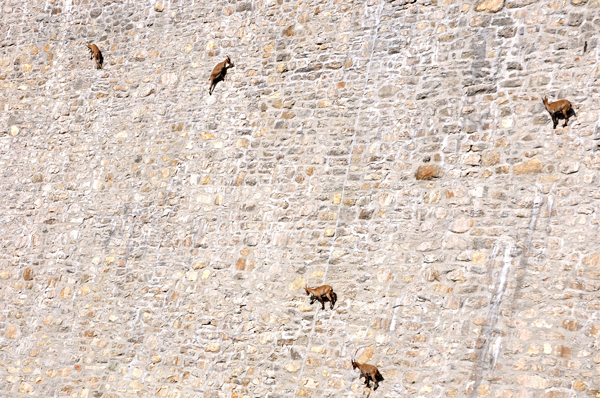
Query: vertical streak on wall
x,y
491,321
496,300
337,221
520,274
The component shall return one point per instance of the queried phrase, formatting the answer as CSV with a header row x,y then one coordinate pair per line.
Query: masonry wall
x,y
155,240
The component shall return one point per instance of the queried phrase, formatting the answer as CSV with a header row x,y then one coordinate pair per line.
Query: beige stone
x,y
25,388
428,172
140,55
569,324
213,347
11,332
473,159
384,275
282,68
292,367
530,167
269,47
152,342
461,225
298,283
28,274
579,386
366,354
240,264
240,178
169,78
563,352
592,260
490,158
432,197
456,275
311,383
489,5
191,276
533,381
289,31
479,258
265,338
431,274
568,167
484,390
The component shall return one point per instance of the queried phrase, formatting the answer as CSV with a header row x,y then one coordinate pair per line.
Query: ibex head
x,y
354,363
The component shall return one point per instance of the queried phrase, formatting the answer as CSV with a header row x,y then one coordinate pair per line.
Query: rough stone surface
x,y
532,166
461,225
489,5
155,240
568,167
428,172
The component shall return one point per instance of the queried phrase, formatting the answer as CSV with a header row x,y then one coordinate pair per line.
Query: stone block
x,y
428,172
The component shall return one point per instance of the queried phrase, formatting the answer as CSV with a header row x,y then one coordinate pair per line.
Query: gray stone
x,y
568,167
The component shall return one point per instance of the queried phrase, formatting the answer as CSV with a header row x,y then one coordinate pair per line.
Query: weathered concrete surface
x,y
155,240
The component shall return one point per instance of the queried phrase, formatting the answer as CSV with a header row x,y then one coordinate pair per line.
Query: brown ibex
x,y
561,107
321,293
219,72
369,372
96,54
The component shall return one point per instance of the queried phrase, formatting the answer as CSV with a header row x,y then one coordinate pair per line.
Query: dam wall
x,y
155,240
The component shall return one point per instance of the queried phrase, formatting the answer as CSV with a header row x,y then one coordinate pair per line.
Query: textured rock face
x,y
156,240
428,172
489,5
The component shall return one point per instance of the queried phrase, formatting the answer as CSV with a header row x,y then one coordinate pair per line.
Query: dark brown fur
x,y
96,54
561,107
369,372
322,293
218,73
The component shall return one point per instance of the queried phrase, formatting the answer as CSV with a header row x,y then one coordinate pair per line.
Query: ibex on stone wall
x,y
369,372
320,294
561,107
96,54
218,73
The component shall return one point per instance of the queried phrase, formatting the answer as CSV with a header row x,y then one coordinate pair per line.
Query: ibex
x,y
562,107
321,293
369,372
96,54
218,73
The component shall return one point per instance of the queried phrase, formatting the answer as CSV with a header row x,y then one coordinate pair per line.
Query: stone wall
x,y
155,239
